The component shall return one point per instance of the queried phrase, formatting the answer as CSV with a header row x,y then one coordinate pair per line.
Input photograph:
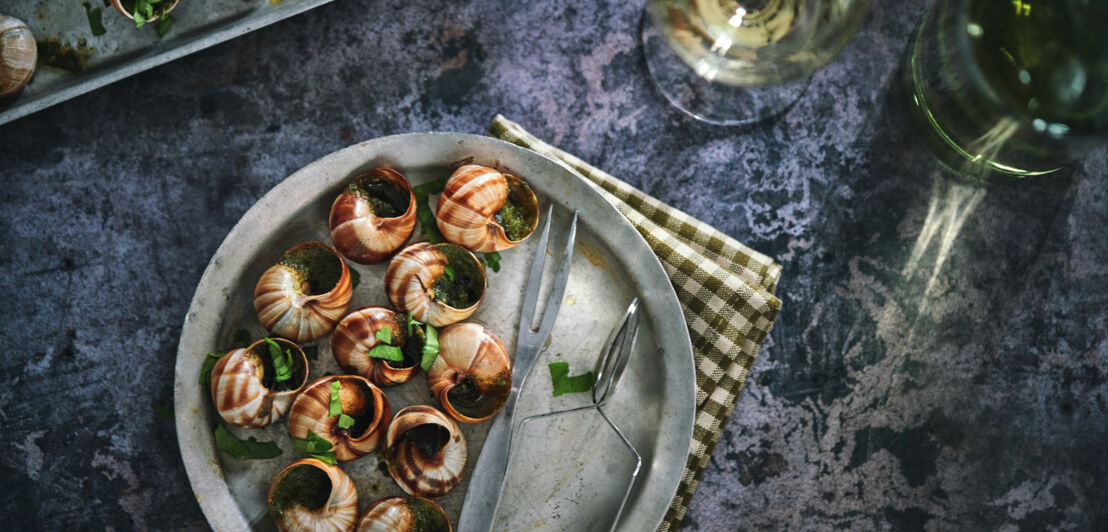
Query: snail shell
x,y
118,5
484,210
18,54
472,376
356,335
417,282
426,452
302,296
360,400
239,389
404,514
311,494
374,216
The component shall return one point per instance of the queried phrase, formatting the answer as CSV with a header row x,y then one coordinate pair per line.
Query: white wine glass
x,y
733,62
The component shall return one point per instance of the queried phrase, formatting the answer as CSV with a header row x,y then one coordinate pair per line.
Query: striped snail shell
x,y
312,495
426,452
244,388
404,514
18,55
359,398
472,376
302,296
356,335
417,281
484,210
374,216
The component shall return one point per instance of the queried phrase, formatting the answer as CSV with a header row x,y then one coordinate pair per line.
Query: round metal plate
x,y
654,404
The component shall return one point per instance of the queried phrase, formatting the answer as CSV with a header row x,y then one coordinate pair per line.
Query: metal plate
x,y
125,50
654,404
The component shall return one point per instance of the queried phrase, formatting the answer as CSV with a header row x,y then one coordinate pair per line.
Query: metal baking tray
x,y
579,482
124,50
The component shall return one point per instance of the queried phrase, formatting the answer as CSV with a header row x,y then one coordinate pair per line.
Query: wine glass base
x,y
707,101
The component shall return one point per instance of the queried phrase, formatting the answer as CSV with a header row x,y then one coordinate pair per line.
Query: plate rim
x,y
207,482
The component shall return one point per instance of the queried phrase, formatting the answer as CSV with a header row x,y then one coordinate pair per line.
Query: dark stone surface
x,y
941,361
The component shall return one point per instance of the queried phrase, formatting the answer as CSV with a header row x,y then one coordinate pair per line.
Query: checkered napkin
x,y
725,289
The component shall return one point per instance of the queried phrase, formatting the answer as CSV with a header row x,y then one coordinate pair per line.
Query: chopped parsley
x,y
345,421
163,25
206,369
449,270
95,22
250,449
282,361
336,404
383,350
492,260
430,348
564,383
384,335
423,209
317,447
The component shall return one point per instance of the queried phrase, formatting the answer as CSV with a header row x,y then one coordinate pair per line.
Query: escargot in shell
x,y
18,55
438,284
360,332
254,386
425,451
305,294
472,376
484,210
365,407
404,514
374,216
312,495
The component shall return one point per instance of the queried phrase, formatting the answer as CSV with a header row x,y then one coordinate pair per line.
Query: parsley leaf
x,y
386,352
336,404
430,348
355,278
242,338
163,410
423,209
411,321
563,383
449,270
345,421
315,446
95,22
250,449
282,361
312,352
493,260
384,335
164,24
206,370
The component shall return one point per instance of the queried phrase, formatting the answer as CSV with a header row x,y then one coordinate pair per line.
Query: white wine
x,y
757,42
1006,89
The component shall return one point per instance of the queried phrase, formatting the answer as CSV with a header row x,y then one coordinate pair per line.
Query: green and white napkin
x,y
725,289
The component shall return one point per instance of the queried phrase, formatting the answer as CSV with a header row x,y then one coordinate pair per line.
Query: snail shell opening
x,y
472,376
356,335
311,494
373,216
485,210
305,294
426,451
404,514
438,284
245,387
359,399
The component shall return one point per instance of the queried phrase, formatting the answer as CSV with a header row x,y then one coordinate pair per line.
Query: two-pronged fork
x,y
479,508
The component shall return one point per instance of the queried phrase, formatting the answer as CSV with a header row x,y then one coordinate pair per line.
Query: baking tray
x,y
124,50
653,405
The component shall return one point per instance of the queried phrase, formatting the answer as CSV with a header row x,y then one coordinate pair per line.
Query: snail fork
x,y
487,479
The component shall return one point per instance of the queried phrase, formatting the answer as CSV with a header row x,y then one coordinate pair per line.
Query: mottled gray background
x,y
940,362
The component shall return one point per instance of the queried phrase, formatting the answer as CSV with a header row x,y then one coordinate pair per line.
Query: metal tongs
x,y
621,343
487,480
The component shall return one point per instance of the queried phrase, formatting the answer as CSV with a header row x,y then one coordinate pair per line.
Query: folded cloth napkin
x,y
725,289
